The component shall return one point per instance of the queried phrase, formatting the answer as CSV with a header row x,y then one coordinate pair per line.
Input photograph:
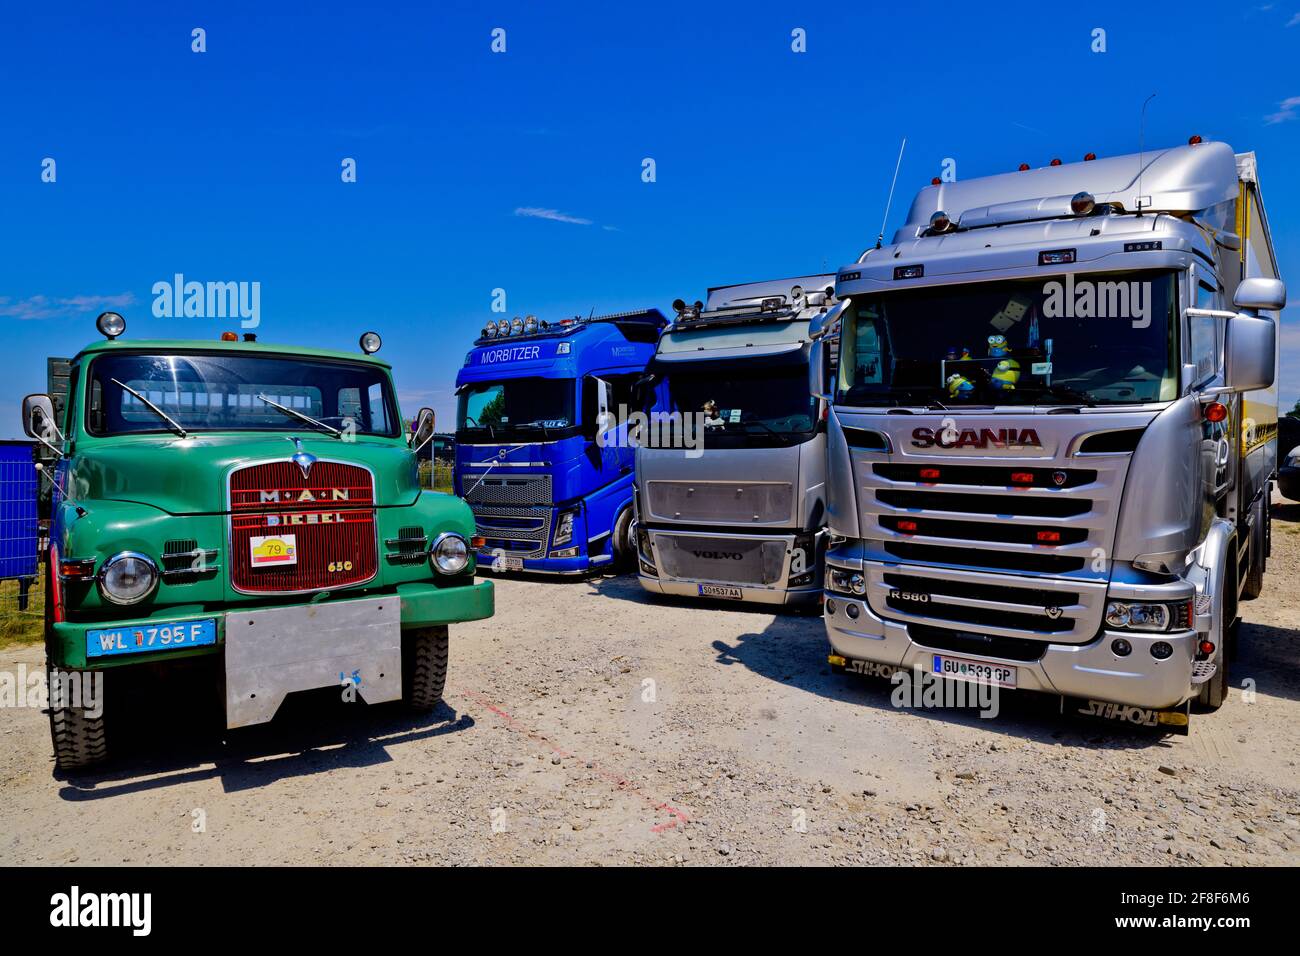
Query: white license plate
x,y
976,672
721,591
501,562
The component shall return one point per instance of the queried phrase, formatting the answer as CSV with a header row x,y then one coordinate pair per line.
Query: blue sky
x,y
522,170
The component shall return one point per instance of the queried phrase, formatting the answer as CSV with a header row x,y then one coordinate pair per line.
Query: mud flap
x,y
1173,720
276,651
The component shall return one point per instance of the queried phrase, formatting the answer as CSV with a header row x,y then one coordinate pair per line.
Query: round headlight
x,y
858,583
1117,614
127,578
503,327
490,330
370,342
450,553
530,324
516,325
110,325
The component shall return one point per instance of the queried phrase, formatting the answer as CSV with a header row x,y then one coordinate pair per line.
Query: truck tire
x,y
424,667
1258,554
79,739
623,545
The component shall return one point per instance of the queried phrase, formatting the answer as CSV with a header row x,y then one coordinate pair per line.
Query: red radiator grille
x,y
330,516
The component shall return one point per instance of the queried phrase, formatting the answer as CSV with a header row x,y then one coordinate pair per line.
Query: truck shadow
x,y
792,651
313,733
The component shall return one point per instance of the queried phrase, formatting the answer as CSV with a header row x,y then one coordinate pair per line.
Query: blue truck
x,y
542,455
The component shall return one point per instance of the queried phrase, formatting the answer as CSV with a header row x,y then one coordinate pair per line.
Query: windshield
x,y
748,403
221,392
516,405
1093,339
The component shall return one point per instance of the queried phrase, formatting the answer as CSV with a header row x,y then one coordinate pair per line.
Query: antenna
x,y
890,201
1142,131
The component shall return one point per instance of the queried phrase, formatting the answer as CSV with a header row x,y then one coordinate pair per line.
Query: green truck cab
x,y
255,504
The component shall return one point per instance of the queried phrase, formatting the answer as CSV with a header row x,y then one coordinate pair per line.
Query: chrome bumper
x,y
1090,671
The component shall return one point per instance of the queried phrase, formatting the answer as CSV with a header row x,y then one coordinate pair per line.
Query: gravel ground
x,y
588,723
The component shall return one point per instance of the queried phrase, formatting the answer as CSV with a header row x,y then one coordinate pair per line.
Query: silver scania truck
x,y
739,512
1053,432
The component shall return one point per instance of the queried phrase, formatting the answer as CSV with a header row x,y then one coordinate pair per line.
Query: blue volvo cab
x,y
534,397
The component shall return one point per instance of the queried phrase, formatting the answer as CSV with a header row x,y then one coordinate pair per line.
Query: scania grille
x,y
516,490
516,532
292,533
758,562
722,502
1026,519
988,603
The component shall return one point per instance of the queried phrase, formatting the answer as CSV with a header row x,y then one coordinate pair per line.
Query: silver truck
x,y
739,513
1053,432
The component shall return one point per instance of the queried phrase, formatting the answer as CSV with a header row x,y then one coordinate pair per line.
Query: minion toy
x,y
959,386
1005,375
998,347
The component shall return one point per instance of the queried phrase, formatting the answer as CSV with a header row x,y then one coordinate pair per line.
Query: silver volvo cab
x,y
1053,432
737,509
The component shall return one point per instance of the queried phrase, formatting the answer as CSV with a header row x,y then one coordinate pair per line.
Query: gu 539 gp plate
x,y
721,591
977,672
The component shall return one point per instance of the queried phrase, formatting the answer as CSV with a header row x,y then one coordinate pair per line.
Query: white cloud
x,y
1294,21
43,307
1286,109
538,212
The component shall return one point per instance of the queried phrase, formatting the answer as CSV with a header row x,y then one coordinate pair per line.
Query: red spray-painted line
x,y
675,815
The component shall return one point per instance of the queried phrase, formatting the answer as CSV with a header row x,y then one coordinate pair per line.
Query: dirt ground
x,y
588,723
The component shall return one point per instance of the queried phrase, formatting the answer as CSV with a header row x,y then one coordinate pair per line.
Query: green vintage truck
x,y
254,503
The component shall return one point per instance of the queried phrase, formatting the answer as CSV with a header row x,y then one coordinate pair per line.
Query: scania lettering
x,y
542,456
738,514
1053,429
249,513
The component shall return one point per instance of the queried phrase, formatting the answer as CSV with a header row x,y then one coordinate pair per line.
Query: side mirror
x,y
38,421
1262,294
1249,351
422,434
817,371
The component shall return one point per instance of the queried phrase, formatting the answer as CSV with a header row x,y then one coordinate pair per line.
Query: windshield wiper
x,y
785,439
300,416
1069,394
171,422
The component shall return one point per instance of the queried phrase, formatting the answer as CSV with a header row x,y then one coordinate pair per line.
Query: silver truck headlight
x,y
449,554
127,578
846,582
1136,616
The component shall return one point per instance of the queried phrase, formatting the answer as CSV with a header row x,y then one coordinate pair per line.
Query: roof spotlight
x,y
490,330
110,324
1081,204
516,325
503,327
530,324
370,342
940,222
678,305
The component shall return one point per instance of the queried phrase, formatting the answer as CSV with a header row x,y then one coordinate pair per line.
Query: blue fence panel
x,y
18,558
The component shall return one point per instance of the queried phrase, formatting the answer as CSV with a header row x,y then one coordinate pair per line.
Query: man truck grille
x,y
327,517
721,502
728,560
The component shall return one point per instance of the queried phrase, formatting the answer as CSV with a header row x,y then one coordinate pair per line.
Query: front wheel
x,y
79,739
624,541
424,666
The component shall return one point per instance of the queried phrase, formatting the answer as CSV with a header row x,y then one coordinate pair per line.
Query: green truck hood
x,y
188,476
